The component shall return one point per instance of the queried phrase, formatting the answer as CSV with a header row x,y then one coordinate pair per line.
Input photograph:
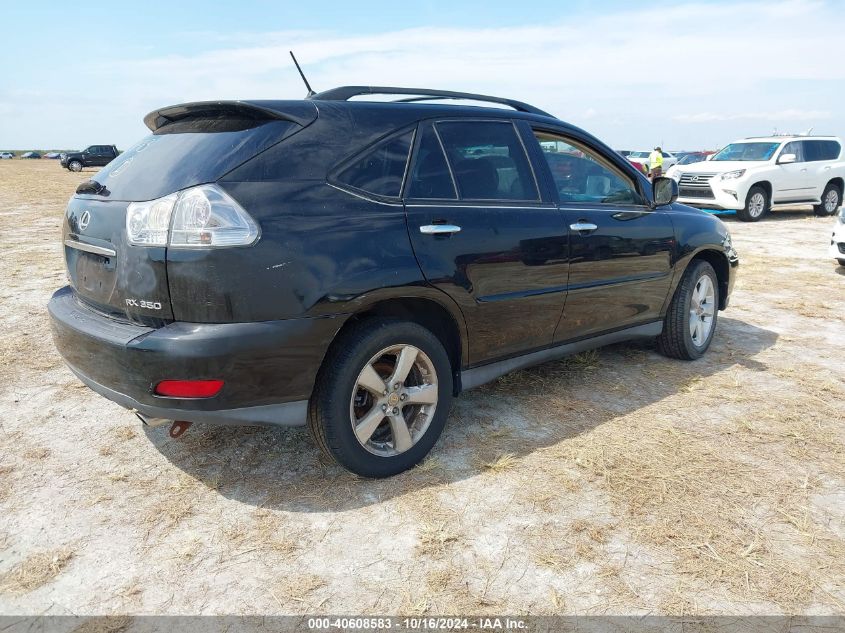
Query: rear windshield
x,y
179,155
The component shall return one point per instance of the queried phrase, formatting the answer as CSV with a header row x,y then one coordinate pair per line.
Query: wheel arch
x,y
767,187
839,182
719,261
446,324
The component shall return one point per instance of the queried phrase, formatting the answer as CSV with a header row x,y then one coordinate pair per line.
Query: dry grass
x,y
297,591
35,571
42,452
500,464
105,624
688,490
124,433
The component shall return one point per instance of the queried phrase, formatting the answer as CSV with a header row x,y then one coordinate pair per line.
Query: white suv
x,y
757,174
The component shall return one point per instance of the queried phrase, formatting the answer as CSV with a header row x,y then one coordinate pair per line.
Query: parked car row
x,y
49,155
10,155
671,160
92,156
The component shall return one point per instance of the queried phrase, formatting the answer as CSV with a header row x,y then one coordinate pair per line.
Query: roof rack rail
x,y
344,93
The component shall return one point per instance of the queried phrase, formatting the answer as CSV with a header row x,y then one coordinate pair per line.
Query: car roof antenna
x,y
311,92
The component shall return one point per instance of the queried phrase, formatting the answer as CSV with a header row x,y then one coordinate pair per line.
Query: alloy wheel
x,y
756,205
702,310
393,400
831,201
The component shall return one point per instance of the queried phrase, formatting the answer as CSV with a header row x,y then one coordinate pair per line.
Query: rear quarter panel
x,y
320,249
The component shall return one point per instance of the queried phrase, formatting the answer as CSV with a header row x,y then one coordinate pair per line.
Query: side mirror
x,y
785,159
664,191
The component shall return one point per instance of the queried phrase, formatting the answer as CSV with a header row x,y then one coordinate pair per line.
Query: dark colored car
x,y
30,155
358,264
92,156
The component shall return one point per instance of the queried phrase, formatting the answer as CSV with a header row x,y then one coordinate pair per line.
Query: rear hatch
x,y
190,145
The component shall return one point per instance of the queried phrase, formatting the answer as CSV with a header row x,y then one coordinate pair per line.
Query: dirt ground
x,y
615,482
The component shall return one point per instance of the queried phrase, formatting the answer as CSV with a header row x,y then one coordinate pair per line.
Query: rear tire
x,y
831,199
756,205
371,428
74,165
691,319
841,262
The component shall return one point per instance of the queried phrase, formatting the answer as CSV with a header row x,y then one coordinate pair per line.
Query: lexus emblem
x,y
84,220
694,179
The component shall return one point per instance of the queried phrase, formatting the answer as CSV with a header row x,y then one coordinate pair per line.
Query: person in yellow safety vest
x,y
655,163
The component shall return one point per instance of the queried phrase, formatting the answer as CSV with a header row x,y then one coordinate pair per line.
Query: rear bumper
x,y
268,367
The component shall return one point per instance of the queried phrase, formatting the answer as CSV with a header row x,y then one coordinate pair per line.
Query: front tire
x,y
691,319
831,199
756,205
382,397
74,165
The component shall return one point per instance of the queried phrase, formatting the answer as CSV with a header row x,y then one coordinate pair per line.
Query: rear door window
x,y
821,150
488,160
380,170
812,151
430,176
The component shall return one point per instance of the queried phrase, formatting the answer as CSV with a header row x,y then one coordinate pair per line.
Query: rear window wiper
x,y
91,187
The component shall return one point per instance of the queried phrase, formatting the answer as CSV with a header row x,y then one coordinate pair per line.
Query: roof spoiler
x,y
344,93
301,113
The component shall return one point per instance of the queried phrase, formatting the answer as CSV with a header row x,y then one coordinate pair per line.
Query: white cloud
x,y
780,115
718,64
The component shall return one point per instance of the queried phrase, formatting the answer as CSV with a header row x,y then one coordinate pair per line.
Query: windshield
x,y
692,158
747,151
638,155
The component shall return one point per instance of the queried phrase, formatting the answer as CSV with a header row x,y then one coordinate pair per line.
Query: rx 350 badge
x,y
142,303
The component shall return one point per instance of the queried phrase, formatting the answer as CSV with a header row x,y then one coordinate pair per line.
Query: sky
x,y
685,75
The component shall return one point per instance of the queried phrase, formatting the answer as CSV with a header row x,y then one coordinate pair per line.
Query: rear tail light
x,y
188,388
199,217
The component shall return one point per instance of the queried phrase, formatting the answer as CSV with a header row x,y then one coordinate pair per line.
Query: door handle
x,y
583,226
439,229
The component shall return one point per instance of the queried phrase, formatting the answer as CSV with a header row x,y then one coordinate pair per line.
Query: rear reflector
x,y
188,388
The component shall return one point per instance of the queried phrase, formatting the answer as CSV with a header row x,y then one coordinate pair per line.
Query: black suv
x,y
92,156
357,264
